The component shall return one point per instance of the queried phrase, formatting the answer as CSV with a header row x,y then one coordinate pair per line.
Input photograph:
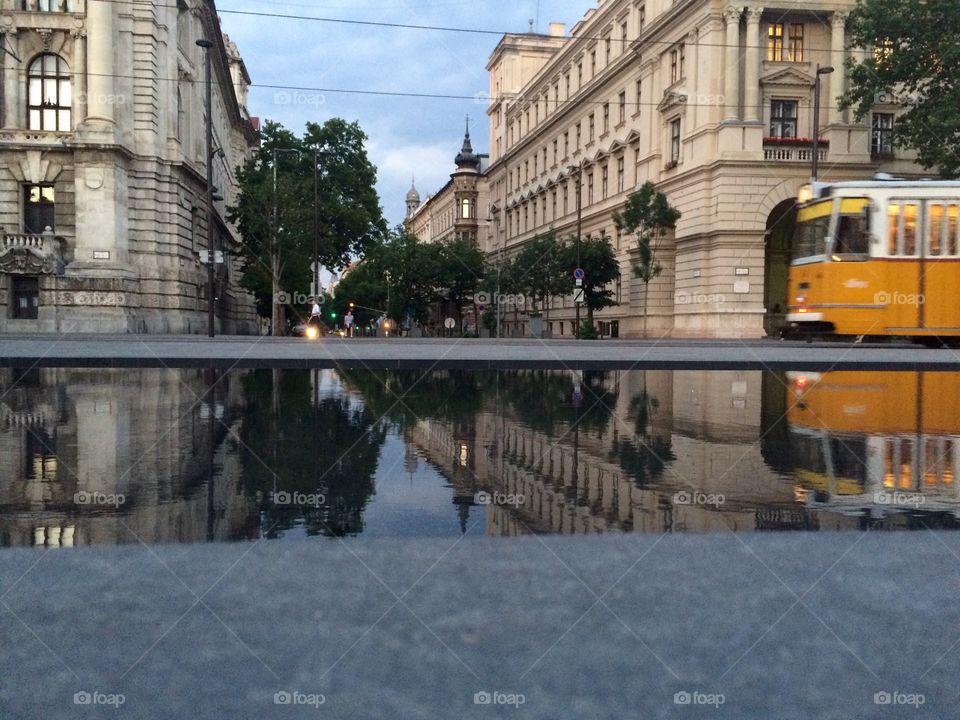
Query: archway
x,y
778,246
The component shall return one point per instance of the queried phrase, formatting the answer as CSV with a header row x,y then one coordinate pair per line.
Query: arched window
x,y
50,95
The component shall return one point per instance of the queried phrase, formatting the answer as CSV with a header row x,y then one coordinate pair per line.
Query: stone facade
x,y
714,104
102,141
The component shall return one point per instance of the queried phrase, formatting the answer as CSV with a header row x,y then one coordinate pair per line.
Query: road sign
x,y
578,282
579,274
578,296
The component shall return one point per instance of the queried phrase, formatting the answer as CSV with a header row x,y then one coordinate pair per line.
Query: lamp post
x,y
579,169
816,120
317,154
211,251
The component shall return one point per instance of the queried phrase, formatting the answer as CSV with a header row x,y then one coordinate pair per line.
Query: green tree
x,y
600,266
538,271
647,216
277,216
460,272
916,61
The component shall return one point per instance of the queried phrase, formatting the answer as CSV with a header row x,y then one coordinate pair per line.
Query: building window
x,y
565,198
593,128
38,208
883,50
466,209
590,189
566,85
50,96
566,143
604,182
579,75
783,119
621,172
881,138
642,16
606,117
47,5
639,93
608,50
623,37
674,74
622,104
556,145
579,134
553,204
795,43
25,297
593,63
775,42
675,142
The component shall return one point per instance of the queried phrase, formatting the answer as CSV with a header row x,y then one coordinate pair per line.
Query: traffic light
x,y
333,315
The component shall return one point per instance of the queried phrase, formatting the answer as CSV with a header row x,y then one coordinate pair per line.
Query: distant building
x,y
711,102
460,208
103,167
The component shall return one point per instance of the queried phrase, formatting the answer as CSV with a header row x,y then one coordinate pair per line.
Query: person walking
x,y
348,322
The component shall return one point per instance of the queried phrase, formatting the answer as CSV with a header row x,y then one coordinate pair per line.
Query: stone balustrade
x,y
43,244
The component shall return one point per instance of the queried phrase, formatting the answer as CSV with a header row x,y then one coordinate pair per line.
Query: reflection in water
x,y
123,456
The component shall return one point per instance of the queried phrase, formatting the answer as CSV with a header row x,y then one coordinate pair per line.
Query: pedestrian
x,y
314,314
348,322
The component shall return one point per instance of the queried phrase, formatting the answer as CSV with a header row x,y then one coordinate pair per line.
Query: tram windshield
x,y
813,226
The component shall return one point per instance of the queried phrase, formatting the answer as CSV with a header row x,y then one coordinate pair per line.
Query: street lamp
x,y
211,252
579,170
816,120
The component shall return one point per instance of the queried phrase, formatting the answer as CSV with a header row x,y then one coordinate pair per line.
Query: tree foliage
x,y
915,63
277,220
600,267
647,216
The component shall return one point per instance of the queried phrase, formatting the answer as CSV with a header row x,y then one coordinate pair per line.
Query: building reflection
x,y
108,456
650,451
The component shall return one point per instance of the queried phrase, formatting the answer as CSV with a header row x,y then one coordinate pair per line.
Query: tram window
x,y
853,237
951,243
935,233
811,238
909,230
849,459
893,228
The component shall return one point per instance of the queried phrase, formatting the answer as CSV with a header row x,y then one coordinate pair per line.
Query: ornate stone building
x,y
103,167
711,102
460,208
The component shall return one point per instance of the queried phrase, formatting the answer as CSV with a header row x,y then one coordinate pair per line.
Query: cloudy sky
x,y
407,136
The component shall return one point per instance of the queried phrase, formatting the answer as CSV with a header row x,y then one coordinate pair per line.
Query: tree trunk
x,y
275,315
646,290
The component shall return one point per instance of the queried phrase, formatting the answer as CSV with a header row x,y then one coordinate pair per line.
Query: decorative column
x,y
79,65
731,69
11,85
751,103
100,65
838,61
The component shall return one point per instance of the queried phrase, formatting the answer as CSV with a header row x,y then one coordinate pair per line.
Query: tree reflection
x,y
321,454
644,456
543,400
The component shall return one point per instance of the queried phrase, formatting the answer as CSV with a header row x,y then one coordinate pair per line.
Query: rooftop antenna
x,y
538,13
531,26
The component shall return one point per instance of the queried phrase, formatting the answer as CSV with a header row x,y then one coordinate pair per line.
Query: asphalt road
x,y
245,352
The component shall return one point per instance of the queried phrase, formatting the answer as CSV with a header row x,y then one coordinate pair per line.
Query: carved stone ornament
x,y
83,297
22,261
46,37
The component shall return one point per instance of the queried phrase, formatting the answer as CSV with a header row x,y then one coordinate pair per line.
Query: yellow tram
x,y
878,257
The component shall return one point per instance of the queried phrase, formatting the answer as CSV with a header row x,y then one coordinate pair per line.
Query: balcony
x,y
792,149
31,254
